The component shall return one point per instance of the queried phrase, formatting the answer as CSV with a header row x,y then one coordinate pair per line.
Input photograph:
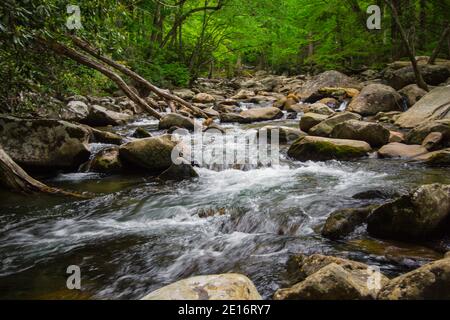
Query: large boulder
x,y
326,79
433,106
429,282
228,286
153,154
436,158
309,120
432,74
75,111
400,150
262,114
422,214
335,282
324,128
419,133
42,145
342,222
176,120
322,149
100,116
373,133
412,93
376,98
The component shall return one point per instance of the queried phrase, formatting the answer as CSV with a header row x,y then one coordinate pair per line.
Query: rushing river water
x,y
138,234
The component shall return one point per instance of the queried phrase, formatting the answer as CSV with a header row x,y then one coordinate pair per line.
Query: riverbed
x,y
138,234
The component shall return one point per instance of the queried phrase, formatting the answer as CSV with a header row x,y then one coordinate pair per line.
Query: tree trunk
x,y
133,75
14,178
441,42
61,49
419,78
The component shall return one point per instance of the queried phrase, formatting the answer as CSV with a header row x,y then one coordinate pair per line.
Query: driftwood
x,y
62,49
14,178
85,46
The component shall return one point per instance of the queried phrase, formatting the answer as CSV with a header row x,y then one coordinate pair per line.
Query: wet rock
x,y
214,128
211,212
100,116
436,158
309,120
376,194
181,170
430,282
228,286
176,120
333,282
140,133
44,145
342,222
435,105
412,93
285,134
233,117
400,150
432,74
433,141
153,154
324,128
419,215
419,133
204,98
327,79
376,98
372,133
322,149
262,114
106,161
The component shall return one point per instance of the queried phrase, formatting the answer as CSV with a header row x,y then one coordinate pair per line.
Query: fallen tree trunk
x,y
61,49
85,46
14,178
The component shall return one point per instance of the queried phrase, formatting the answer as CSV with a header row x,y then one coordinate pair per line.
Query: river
x,y
139,234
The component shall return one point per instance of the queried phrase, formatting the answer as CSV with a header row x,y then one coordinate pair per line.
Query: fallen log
x,y
85,46
14,178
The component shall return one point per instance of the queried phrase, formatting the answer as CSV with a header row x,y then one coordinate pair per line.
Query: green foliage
x,y
172,42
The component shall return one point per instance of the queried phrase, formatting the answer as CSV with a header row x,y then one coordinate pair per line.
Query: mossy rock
x,y
322,149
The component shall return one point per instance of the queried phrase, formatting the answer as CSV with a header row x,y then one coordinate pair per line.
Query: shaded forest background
x,y
173,42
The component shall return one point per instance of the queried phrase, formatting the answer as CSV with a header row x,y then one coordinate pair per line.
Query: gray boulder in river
x,y
420,215
44,145
433,106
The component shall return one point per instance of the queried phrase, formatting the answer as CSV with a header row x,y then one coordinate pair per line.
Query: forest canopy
x,y
173,42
